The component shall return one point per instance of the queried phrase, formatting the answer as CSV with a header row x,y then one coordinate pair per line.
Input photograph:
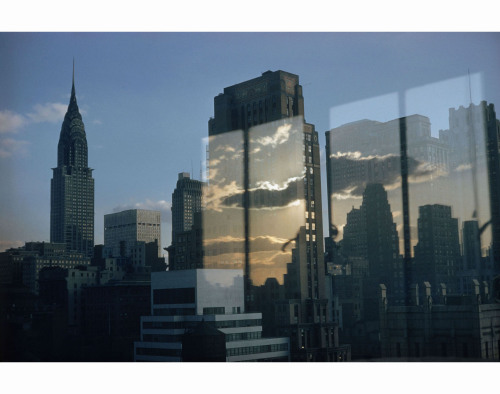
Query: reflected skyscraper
x,y
72,186
370,233
474,140
437,254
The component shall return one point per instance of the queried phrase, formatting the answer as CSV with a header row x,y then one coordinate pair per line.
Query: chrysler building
x,y
72,186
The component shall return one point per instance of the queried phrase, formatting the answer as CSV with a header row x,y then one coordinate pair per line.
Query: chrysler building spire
x,y
72,185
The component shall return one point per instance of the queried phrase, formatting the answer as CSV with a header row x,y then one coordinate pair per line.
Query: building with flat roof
x,y
181,300
123,229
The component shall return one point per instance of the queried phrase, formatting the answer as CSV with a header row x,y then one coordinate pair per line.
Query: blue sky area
x,y
146,99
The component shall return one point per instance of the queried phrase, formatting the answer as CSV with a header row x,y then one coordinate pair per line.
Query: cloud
x,y
272,186
230,194
10,122
10,147
270,195
351,172
396,214
463,167
48,112
4,245
281,136
163,206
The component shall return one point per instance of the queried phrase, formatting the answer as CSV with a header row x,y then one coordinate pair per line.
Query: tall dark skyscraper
x,y
186,201
437,254
263,209
186,250
72,186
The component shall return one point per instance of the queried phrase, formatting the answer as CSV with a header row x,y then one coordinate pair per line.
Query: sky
x,y
146,99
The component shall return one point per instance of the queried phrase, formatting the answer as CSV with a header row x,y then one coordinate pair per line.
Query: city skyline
x,y
151,97
49,82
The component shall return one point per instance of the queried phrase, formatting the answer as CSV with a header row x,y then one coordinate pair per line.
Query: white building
x,y
182,299
123,229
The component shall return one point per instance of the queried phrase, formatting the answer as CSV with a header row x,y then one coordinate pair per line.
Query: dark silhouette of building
x,y
186,250
370,233
204,343
98,259
186,201
437,254
72,186
471,245
440,327
370,249
111,318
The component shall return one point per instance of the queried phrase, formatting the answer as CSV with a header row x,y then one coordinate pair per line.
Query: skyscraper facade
x,y
186,252
263,208
276,171
122,230
186,201
72,186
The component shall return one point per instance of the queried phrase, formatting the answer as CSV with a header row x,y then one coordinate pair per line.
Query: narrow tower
x,y
72,185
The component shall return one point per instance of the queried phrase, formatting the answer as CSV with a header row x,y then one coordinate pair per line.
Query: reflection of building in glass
x,y
263,208
72,186
474,265
367,151
441,327
466,134
123,229
437,254
181,300
474,141
370,249
186,250
451,169
382,241
471,245
370,233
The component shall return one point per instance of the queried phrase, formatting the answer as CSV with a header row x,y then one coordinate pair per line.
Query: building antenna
x,y
192,173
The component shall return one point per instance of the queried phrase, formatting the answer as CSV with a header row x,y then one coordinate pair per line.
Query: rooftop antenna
x,y
192,173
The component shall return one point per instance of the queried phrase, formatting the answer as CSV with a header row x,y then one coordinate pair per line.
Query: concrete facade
x,y
180,300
